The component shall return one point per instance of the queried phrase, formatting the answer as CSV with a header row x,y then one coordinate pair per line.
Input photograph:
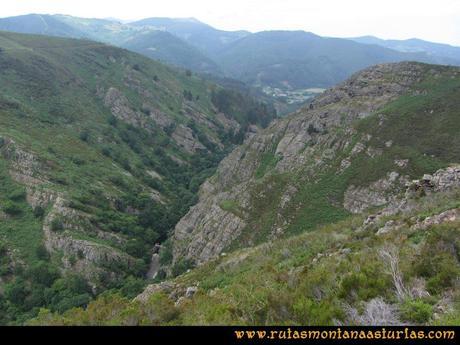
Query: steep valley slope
x,y
345,212
346,152
101,152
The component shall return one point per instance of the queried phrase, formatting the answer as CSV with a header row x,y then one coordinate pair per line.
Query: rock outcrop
x,y
184,137
440,181
79,255
378,193
306,143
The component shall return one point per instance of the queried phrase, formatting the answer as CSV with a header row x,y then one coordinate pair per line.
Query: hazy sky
x,y
434,20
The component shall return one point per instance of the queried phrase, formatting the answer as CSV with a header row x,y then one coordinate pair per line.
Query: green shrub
x,y
309,312
446,272
11,208
365,284
438,261
106,151
160,309
43,273
77,160
84,135
57,224
416,311
132,287
112,120
16,291
42,253
17,195
39,212
166,254
181,267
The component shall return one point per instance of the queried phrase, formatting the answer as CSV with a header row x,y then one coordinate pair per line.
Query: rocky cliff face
x,y
86,257
309,167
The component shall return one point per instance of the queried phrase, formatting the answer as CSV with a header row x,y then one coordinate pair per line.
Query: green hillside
x,y
346,212
337,274
102,151
153,43
163,46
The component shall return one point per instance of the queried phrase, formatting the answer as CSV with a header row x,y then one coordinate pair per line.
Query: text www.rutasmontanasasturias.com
x,y
405,333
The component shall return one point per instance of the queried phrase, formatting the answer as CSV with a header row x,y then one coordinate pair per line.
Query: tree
x,y
43,273
84,135
112,120
11,208
132,287
57,224
16,291
42,253
188,95
39,212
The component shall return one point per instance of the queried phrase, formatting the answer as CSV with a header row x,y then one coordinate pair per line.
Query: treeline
x,y
245,109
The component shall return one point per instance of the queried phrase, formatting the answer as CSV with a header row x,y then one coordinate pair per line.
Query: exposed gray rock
x,y
201,237
402,163
191,291
184,137
160,118
304,142
441,180
228,124
88,257
390,226
121,109
379,193
166,287
444,217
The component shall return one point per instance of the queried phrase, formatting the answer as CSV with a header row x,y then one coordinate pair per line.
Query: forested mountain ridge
x,y
287,60
439,50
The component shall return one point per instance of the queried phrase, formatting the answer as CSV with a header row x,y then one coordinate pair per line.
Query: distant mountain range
x,y
414,45
206,38
288,60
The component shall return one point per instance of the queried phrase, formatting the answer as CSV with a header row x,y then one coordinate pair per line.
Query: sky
x,y
433,20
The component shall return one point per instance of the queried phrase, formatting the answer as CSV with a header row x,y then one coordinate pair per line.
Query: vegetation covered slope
x,y
156,44
351,149
342,273
163,46
318,220
102,151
